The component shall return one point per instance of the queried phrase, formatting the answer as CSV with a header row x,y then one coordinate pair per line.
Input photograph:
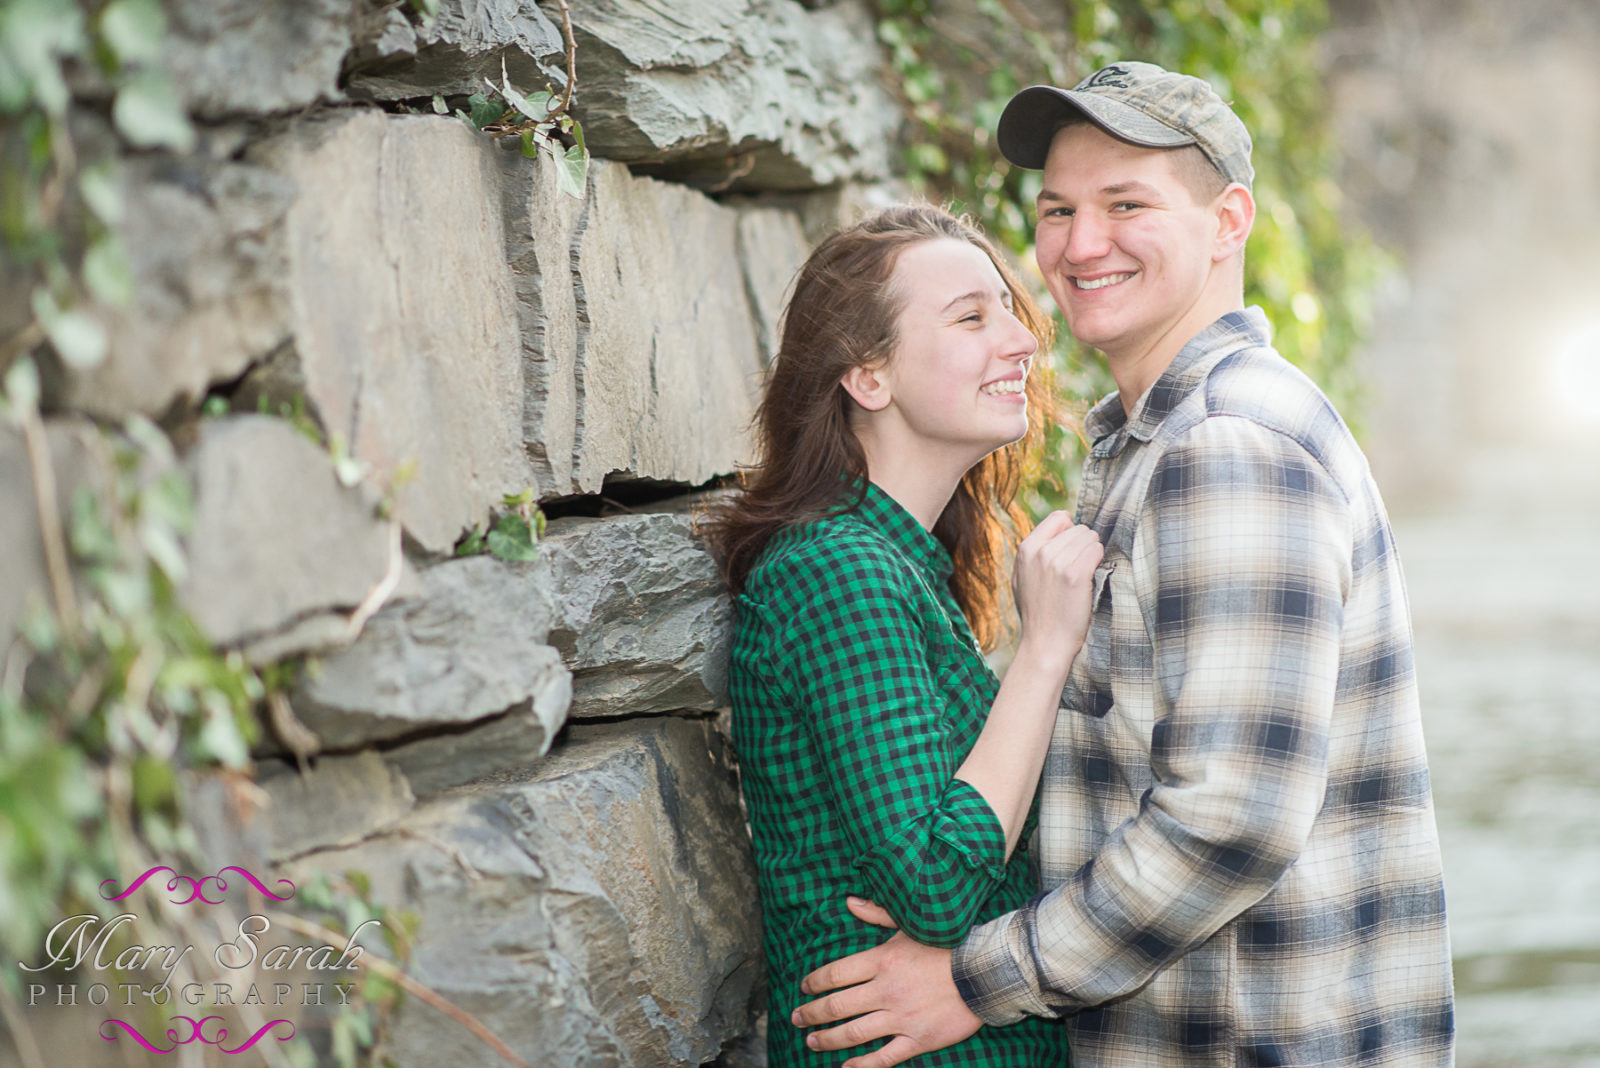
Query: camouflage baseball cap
x,y
1140,103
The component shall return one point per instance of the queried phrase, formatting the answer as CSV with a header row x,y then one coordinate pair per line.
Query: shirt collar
x,y
885,515
1235,330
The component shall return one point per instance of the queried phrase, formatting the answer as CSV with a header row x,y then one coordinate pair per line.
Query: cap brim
x,y
1031,118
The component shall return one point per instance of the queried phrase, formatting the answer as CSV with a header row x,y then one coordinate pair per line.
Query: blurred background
x,y
1470,139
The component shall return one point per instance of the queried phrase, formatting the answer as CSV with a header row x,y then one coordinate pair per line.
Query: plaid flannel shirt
x,y
857,692
1236,831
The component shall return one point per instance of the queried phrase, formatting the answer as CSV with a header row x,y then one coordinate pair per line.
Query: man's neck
x,y
1136,370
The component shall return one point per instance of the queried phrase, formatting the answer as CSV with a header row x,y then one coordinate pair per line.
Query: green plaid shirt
x,y
857,692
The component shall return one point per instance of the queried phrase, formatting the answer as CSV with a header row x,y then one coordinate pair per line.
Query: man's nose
x,y
1088,239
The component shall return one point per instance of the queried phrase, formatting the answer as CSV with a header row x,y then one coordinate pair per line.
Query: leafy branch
x,y
513,535
542,120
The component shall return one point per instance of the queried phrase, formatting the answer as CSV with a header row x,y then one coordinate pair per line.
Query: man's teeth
x,y
1101,283
1010,385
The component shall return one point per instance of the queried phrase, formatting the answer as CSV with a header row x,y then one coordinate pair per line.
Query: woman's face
x,y
956,377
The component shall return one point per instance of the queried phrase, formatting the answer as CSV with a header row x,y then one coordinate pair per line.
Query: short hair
x,y
1190,165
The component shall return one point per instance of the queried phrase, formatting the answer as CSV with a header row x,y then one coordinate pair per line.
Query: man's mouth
x,y
1103,281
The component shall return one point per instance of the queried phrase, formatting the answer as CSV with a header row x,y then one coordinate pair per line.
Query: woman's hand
x,y
1052,583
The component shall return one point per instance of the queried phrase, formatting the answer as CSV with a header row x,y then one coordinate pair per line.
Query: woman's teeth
x,y
1009,385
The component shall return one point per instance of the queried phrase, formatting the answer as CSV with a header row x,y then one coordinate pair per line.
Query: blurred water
x,y
1505,596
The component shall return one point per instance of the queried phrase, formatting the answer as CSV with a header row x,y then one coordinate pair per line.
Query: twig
x,y
572,60
379,593
44,495
301,740
21,1035
388,971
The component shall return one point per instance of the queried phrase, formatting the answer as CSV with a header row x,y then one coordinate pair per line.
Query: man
x,y
1237,840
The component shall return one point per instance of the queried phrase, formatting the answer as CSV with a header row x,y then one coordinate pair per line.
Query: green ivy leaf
x,y
34,36
22,386
472,543
107,272
483,111
97,184
135,30
77,336
439,106
149,114
512,539
572,170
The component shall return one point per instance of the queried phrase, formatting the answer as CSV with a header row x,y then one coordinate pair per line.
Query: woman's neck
x,y
921,487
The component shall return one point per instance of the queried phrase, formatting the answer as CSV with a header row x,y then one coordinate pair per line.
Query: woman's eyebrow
x,y
976,294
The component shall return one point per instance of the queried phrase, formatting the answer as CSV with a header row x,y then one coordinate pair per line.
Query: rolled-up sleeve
x,y
854,654
1241,567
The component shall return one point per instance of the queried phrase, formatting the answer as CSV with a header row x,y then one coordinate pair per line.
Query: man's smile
x,y
1102,281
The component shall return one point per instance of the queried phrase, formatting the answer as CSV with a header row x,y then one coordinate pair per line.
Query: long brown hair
x,y
842,315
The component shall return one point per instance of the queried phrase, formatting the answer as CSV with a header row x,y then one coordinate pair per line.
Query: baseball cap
x,y
1140,103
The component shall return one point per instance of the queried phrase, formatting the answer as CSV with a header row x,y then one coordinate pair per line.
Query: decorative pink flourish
x,y
196,1033
195,1030
134,1031
197,887
140,881
253,1039
253,881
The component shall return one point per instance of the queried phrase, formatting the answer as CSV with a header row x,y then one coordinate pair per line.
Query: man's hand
x,y
901,990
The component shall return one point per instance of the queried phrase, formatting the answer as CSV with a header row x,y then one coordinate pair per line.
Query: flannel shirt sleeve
x,y
1242,567
854,655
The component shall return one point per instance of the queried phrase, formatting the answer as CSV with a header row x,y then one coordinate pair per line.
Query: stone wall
x,y
526,755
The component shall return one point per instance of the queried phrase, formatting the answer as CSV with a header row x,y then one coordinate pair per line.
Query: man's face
x,y
1123,246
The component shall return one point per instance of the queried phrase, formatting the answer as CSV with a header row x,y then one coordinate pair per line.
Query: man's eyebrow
x,y
1110,191
1126,187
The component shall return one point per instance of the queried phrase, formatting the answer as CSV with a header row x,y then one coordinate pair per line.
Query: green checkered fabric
x,y
857,692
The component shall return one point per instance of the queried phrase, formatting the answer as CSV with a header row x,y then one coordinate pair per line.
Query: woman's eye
x,y
975,317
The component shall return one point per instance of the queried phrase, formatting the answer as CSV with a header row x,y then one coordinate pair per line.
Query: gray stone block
x,y
734,94
640,615
277,541
253,57
772,249
668,366
335,802
453,52
206,246
467,646
405,321
542,227
600,914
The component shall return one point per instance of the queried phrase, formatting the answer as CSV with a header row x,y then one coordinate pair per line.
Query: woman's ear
x,y
867,386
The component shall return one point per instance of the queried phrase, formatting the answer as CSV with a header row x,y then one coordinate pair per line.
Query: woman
x,y
879,756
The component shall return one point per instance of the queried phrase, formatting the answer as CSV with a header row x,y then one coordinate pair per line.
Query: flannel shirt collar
x,y
1236,330
884,514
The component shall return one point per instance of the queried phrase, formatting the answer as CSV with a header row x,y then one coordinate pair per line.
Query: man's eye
x,y
1057,213
1126,205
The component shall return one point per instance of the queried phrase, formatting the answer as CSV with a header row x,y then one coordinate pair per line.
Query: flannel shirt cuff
x,y
989,976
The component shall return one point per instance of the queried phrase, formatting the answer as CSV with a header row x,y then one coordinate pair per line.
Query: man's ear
x,y
1236,213
868,387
